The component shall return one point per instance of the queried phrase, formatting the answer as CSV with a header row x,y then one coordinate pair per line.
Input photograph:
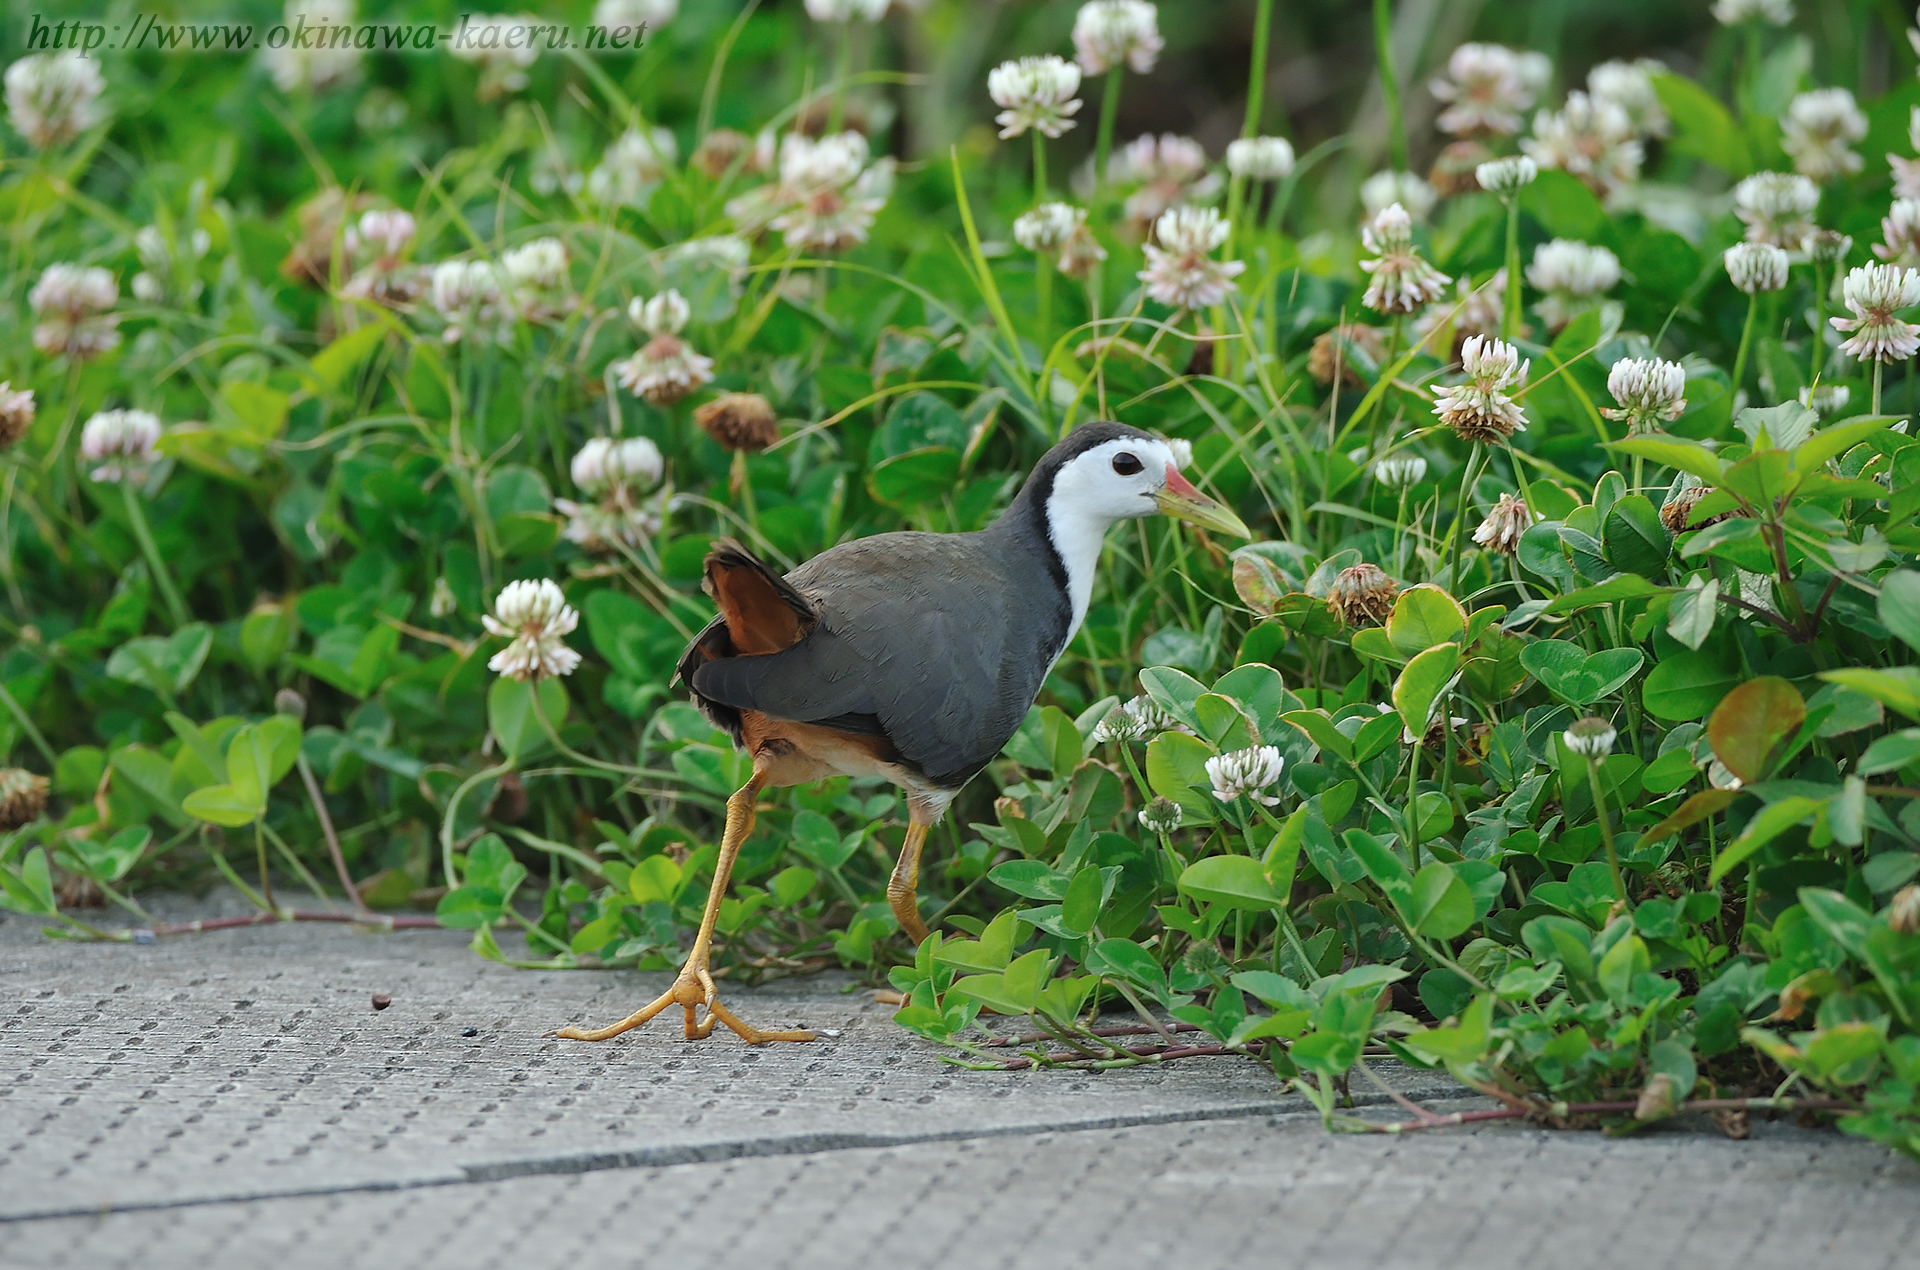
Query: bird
x,y
910,656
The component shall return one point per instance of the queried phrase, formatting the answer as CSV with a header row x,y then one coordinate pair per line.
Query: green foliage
x,y
1362,838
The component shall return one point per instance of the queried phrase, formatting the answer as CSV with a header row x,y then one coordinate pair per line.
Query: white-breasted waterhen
x,y
912,656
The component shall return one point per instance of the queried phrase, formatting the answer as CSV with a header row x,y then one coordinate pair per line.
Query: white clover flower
x,y
326,61
1246,772
1402,281
469,298
54,97
386,233
539,265
1826,246
664,314
16,414
604,462
1044,229
121,442
1819,129
71,303
830,161
375,246
611,15
1734,12
536,617
442,602
1825,400
1036,93
1587,138
666,368
1572,274
1649,391
1109,32
1170,171
1906,172
1756,267
1536,71
1481,409
1507,177
168,271
1181,272
1135,720
847,10
632,167
1060,230
1168,158
1400,473
599,526
1777,207
826,197
1160,816
1506,521
1261,158
616,475
1590,738
1900,233
1473,310
1182,451
501,46
1485,89
1384,189
1629,85
1875,293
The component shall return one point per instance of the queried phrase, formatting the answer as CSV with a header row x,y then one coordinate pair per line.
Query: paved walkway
x,y
233,1099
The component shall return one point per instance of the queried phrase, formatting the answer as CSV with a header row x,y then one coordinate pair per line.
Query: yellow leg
x,y
694,988
902,888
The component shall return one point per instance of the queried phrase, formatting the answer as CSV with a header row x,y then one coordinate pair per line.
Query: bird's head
x,y
1109,472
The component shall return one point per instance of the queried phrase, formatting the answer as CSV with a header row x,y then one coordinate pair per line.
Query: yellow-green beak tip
x,y
1179,499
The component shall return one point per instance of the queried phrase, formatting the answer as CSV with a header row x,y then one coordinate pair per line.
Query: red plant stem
x,y
1150,1053
1434,1121
291,915
1122,1029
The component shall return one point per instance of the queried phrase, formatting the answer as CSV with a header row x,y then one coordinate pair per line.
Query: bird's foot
x,y
692,991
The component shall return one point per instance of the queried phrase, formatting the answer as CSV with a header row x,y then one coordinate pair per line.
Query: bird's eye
x,y
1127,464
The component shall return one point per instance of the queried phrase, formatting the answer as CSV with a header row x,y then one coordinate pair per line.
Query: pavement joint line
x,y
710,1153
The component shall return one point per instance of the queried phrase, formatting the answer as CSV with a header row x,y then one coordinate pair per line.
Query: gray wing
x,y
927,634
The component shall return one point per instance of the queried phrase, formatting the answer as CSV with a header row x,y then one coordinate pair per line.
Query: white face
x,y
1113,481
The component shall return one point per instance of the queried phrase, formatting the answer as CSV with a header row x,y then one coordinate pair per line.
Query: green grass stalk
x,y
1389,82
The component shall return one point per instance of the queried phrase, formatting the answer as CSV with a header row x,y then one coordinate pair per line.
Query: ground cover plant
x,y
367,416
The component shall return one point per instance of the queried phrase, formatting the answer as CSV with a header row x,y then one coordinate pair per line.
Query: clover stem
x,y
1819,325
1039,167
1103,144
266,878
1746,338
843,71
1878,367
1510,323
1467,476
1606,830
453,807
176,607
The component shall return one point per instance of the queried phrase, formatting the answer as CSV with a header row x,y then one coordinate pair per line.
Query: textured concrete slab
x,y
233,1099
250,1063
1244,1192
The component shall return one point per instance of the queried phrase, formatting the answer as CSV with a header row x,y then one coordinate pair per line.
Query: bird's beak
x,y
1180,500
